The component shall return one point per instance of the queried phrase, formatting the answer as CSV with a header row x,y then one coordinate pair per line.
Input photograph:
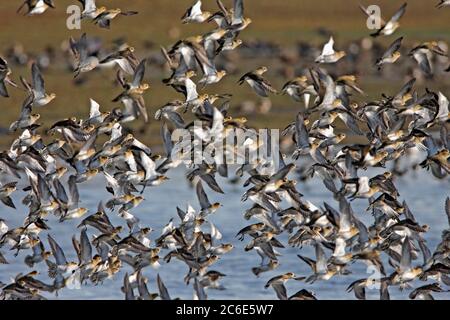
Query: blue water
x,y
424,195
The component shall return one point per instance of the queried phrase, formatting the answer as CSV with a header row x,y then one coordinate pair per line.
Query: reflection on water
x,y
424,195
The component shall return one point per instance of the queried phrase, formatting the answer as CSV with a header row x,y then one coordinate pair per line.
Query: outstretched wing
x,y
139,73
202,197
58,253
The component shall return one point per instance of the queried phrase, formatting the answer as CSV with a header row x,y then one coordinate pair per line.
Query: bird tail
x,y
120,96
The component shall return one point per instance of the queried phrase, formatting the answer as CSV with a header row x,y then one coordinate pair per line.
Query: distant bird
x,y
359,287
443,113
5,72
96,117
328,54
2,261
26,119
206,206
195,14
5,193
391,55
405,131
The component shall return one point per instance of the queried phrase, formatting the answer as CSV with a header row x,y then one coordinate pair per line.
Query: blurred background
x,y
284,36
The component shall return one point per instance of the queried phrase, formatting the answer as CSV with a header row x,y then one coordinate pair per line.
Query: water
x,y
424,195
